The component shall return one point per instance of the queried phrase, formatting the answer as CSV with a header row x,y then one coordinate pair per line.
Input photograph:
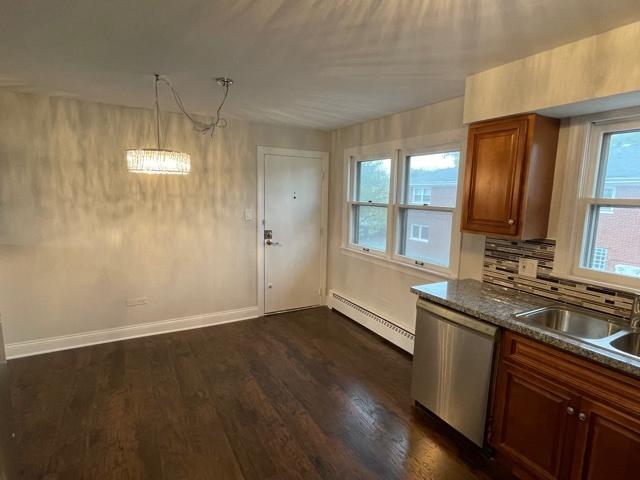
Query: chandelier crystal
x,y
159,162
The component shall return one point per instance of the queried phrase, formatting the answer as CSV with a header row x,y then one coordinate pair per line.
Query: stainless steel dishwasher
x,y
452,364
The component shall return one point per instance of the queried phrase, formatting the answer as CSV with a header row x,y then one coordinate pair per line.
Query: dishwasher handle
x,y
458,318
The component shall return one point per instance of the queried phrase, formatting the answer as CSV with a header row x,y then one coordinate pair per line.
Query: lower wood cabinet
x,y
531,423
608,443
557,416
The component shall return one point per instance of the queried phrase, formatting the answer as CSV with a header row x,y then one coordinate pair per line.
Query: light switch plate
x,y
528,267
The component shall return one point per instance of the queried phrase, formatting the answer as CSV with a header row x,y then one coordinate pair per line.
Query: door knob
x,y
271,242
511,221
570,410
582,417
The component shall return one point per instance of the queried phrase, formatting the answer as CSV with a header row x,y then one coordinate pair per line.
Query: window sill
x,y
396,265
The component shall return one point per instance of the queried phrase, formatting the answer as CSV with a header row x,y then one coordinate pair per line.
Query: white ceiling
x,y
314,63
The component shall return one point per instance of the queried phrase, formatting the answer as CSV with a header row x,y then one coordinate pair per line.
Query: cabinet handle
x,y
511,221
582,417
570,410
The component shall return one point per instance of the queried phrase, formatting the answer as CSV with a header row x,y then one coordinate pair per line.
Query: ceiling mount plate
x,y
224,81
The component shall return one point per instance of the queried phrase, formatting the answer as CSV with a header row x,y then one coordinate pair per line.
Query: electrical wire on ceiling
x,y
168,162
202,127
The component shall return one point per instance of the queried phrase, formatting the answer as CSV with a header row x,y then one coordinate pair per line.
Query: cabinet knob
x,y
582,417
570,410
511,221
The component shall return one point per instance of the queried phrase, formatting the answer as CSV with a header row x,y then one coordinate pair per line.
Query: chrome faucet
x,y
634,318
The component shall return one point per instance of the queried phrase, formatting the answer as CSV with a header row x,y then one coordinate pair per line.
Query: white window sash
x,y
583,155
352,202
453,140
402,188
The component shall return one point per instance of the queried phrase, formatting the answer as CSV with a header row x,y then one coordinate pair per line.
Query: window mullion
x,y
393,200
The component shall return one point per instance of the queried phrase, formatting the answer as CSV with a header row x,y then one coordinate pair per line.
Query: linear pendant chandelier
x,y
161,161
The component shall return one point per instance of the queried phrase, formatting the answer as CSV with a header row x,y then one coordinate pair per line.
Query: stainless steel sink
x,y
629,343
571,322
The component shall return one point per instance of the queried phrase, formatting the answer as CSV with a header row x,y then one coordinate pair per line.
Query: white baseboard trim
x,y
76,340
377,324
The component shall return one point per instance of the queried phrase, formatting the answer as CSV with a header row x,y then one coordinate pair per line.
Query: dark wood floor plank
x,y
240,397
108,445
64,461
207,439
41,391
358,424
271,367
301,395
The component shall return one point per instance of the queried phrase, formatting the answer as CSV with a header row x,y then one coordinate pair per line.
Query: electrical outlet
x,y
528,267
134,302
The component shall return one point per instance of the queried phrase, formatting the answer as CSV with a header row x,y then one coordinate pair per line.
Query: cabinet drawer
x,y
586,377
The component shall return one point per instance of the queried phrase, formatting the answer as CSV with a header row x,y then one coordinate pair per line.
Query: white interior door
x,y
293,217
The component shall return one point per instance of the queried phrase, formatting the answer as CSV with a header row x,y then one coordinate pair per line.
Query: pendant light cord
x,y
157,112
201,127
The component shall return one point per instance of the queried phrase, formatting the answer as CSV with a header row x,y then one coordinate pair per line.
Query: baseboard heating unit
x,y
396,334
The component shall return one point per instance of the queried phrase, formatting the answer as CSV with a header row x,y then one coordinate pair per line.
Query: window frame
x,y
353,203
594,130
402,206
451,140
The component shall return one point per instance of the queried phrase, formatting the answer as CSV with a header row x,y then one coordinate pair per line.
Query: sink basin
x,y
571,322
629,343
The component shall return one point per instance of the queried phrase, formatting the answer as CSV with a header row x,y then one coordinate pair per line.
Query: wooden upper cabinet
x,y
509,176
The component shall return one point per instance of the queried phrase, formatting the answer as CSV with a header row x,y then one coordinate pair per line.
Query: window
x,y
437,174
401,203
370,204
420,195
419,233
599,260
609,204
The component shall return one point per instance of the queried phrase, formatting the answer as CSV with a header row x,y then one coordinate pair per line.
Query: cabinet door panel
x,y
607,445
532,428
494,177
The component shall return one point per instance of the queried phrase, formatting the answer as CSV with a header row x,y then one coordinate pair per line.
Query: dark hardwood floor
x,y
305,395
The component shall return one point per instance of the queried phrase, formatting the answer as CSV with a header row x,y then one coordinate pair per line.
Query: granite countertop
x,y
498,306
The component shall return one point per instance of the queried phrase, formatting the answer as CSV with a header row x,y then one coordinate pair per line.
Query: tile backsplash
x,y
501,268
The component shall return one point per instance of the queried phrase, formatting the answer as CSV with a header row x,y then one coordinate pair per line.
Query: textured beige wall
x,y
593,70
381,289
78,234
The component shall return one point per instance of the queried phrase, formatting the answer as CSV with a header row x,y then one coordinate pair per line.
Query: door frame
x,y
324,156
